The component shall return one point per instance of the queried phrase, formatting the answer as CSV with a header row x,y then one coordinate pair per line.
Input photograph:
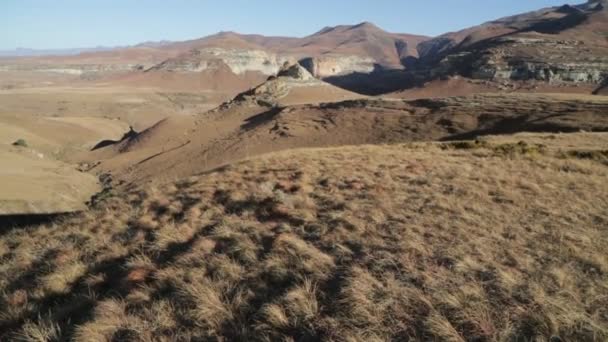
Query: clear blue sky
x,y
50,24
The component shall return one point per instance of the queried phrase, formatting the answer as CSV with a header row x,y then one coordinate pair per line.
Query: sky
x,y
55,24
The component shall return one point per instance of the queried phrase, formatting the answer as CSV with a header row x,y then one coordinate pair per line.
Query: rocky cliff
x,y
567,44
524,59
238,60
293,84
337,65
279,86
333,51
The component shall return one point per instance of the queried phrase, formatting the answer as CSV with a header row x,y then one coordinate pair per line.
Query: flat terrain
x,y
34,184
138,107
503,238
58,124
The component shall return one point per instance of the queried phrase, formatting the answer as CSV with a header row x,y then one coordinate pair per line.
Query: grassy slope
x,y
489,241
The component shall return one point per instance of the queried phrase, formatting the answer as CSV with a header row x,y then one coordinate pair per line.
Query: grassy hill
x,y
500,239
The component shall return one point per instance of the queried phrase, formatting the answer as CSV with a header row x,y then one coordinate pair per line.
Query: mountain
x,y
230,39
331,51
566,44
25,52
364,40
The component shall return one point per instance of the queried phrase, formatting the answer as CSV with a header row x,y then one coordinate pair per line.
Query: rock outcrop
x,y
292,85
520,59
338,65
238,60
564,44
602,89
279,86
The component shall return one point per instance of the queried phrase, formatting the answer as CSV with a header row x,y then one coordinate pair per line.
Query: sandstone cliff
x,y
337,65
238,60
566,44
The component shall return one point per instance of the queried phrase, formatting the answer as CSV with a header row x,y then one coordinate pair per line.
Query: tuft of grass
x,y
595,155
504,149
465,145
42,330
63,278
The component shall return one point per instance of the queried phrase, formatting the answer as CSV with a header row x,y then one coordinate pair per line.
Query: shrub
x,y
20,142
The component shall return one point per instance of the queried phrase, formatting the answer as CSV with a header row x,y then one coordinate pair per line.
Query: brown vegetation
x,y
480,242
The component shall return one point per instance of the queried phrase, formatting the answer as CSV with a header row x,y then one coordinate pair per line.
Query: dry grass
x,y
501,241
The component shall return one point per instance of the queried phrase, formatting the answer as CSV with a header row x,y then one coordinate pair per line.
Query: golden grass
x,y
500,241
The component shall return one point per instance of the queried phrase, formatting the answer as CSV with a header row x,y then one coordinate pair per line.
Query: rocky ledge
x,y
522,59
239,61
338,65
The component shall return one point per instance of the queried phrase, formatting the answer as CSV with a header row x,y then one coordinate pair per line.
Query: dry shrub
x,y
109,318
442,329
384,307
291,258
214,306
61,280
41,331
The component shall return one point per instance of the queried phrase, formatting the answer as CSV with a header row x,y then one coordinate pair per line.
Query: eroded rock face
x,y
434,47
238,60
565,44
277,87
567,61
338,65
241,61
295,72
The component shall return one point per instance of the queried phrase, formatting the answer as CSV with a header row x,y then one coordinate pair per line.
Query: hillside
x,y
182,146
35,177
501,239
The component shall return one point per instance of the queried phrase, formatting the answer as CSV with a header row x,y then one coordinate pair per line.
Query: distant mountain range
x,y
26,52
